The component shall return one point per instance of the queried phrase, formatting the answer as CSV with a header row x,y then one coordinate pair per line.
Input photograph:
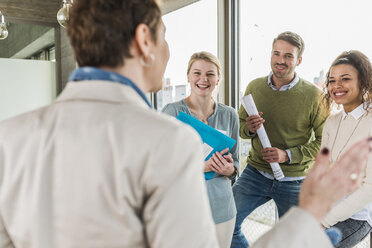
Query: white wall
x,y
25,85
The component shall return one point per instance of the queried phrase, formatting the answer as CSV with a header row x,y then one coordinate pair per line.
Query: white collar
x,y
284,87
356,113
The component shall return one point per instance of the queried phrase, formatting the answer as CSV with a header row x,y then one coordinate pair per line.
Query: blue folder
x,y
209,135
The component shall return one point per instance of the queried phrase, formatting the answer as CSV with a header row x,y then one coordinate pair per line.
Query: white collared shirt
x,y
284,87
357,113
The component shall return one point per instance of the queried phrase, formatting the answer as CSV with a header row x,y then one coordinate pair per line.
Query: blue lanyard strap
x,y
91,73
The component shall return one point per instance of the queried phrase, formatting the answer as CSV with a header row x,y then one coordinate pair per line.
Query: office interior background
x,y
36,58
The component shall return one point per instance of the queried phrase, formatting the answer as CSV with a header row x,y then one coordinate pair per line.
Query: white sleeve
x,y
5,241
297,228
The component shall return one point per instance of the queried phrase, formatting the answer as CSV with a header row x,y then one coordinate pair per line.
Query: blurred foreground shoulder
x,y
282,234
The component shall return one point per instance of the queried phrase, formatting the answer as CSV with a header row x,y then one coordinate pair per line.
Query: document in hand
x,y
251,109
214,141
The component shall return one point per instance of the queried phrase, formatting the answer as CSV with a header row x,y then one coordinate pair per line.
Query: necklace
x,y
347,141
201,117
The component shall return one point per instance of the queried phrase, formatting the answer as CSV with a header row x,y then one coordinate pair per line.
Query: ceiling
x,y
45,11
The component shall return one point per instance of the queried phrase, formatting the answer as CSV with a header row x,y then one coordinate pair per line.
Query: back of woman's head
x,y
101,31
363,65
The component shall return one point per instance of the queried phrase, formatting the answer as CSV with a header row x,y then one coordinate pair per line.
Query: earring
x,y
143,58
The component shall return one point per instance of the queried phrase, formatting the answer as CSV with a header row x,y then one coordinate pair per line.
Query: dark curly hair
x,y
362,64
101,31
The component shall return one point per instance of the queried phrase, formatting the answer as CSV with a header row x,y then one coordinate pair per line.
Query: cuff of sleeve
x,y
296,156
328,221
289,156
251,134
248,133
235,173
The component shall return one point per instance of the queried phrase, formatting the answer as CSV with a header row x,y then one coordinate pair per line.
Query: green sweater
x,y
293,120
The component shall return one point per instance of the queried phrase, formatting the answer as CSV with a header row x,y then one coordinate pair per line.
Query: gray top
x,y
219,190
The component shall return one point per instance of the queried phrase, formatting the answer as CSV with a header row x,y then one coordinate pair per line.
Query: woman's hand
x,y
324,186
222,164
207,168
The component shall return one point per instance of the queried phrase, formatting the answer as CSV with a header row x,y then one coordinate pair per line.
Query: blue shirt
x,y
92,73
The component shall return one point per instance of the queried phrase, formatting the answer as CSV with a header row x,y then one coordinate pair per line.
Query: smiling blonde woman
x,y
204,74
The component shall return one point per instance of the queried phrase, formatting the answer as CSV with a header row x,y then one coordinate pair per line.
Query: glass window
x,y
52,53
189,30
327,27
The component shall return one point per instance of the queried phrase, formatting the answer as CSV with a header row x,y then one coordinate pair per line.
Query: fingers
x,y
270,154
228,158
270,158
207,166
321,164
351,166
222,164
268,149
324,186
216,167
224,151
354,156
216,162
254,122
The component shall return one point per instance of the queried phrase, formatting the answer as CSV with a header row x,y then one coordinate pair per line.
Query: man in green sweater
x,y
293,116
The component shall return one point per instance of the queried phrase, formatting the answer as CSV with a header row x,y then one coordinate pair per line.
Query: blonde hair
x,y
206,56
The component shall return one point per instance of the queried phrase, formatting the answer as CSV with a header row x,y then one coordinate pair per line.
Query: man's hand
x,y
254,122
273,154
324,185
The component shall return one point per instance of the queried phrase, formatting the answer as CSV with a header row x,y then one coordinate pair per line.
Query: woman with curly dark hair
x,y
349,83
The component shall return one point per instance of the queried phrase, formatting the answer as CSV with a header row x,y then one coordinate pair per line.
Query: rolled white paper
x,y
249,106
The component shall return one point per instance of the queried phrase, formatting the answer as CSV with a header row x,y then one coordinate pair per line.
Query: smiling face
x,y
284,59
203,78
343,86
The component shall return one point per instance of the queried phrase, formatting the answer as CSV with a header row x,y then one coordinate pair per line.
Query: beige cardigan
x,y
363,196
297,228
98,168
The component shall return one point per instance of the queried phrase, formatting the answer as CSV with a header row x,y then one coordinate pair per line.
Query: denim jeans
x,y
353,232
252,190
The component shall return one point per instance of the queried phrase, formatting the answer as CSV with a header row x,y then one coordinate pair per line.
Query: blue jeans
x,y
252,190
353,232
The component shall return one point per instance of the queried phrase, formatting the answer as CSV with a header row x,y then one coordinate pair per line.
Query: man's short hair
x,y
293,39
101,31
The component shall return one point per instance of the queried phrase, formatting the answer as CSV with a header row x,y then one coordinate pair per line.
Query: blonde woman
x,y
204,74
